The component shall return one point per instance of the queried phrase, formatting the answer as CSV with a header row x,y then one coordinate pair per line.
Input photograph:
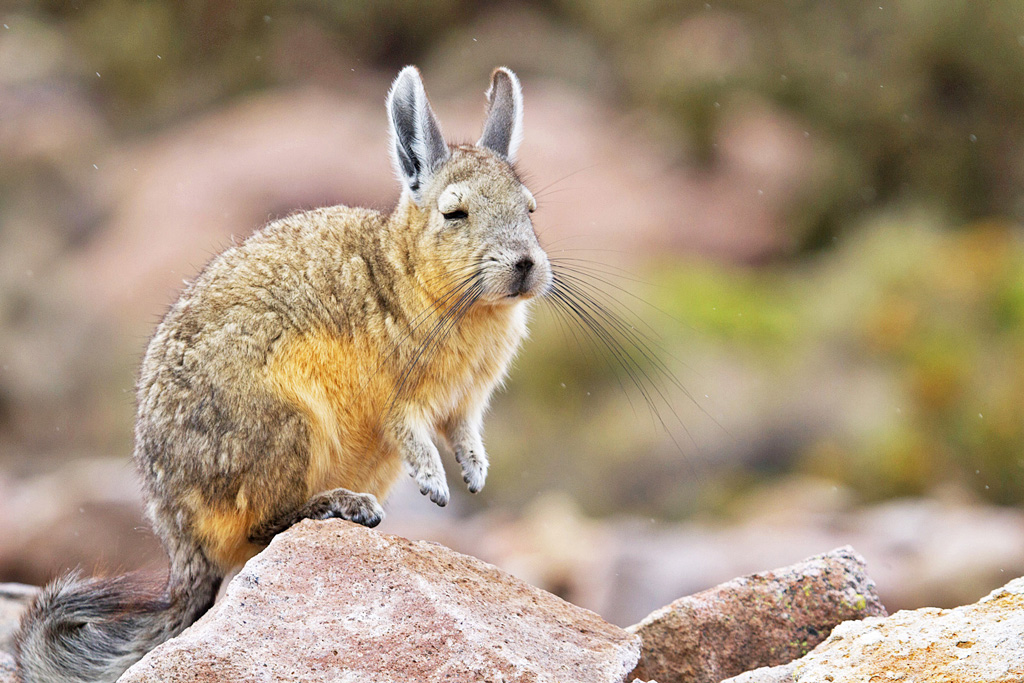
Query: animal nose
x,y
524,265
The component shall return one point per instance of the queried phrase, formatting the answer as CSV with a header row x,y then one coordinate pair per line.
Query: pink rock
x,y
331,601
759,620
8,670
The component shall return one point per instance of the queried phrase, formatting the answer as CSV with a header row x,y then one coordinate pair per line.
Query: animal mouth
x,y
522,289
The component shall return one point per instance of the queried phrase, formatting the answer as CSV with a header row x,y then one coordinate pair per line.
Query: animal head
x,y
470,209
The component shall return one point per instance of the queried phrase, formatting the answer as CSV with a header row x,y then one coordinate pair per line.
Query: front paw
x,y
432,484
361,508
474,467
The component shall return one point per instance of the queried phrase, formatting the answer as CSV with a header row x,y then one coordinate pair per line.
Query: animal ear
x,y
417,147
503,130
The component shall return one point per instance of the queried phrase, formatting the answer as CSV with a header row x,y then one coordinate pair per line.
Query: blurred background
x,y
801,222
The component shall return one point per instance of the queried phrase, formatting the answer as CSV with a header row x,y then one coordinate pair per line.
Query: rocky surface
x,y
940,552
334,601
977,643
7,669
759,620
14,599
937,552
331,601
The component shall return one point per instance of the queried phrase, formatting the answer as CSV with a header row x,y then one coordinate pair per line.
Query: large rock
x,y
978,643
332,601
759,620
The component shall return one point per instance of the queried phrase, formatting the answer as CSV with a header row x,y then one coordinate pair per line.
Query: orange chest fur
x,y
347,388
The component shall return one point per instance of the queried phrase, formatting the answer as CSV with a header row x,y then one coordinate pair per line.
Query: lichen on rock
x,y
764,619
979,643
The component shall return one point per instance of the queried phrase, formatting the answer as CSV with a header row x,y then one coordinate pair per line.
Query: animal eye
x,y
456,215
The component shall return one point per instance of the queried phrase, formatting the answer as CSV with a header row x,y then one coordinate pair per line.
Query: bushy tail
x,y
91,630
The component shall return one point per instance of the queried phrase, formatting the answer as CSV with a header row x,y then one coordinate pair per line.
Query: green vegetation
x,y
942,315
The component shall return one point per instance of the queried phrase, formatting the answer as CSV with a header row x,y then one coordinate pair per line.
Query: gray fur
x,y
423,460
463,437
503,130
361,508
87,630
417,147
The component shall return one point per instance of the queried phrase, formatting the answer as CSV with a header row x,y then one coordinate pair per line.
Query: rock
x,y
330,601
767,674
922,552
978,643
755,621
14,599
940,552
8,670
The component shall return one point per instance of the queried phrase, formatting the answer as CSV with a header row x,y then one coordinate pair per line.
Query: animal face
x,y
481,216
474,208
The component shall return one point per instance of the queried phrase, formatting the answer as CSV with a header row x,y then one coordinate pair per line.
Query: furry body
x,y
278,368
303,369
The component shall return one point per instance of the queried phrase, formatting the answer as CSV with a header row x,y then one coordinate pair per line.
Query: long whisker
x,y
591,279
542,190
469,273
587,273
437,334
564,307
629,364
618,315
629,342
638,376
461,276
597,266
582,297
